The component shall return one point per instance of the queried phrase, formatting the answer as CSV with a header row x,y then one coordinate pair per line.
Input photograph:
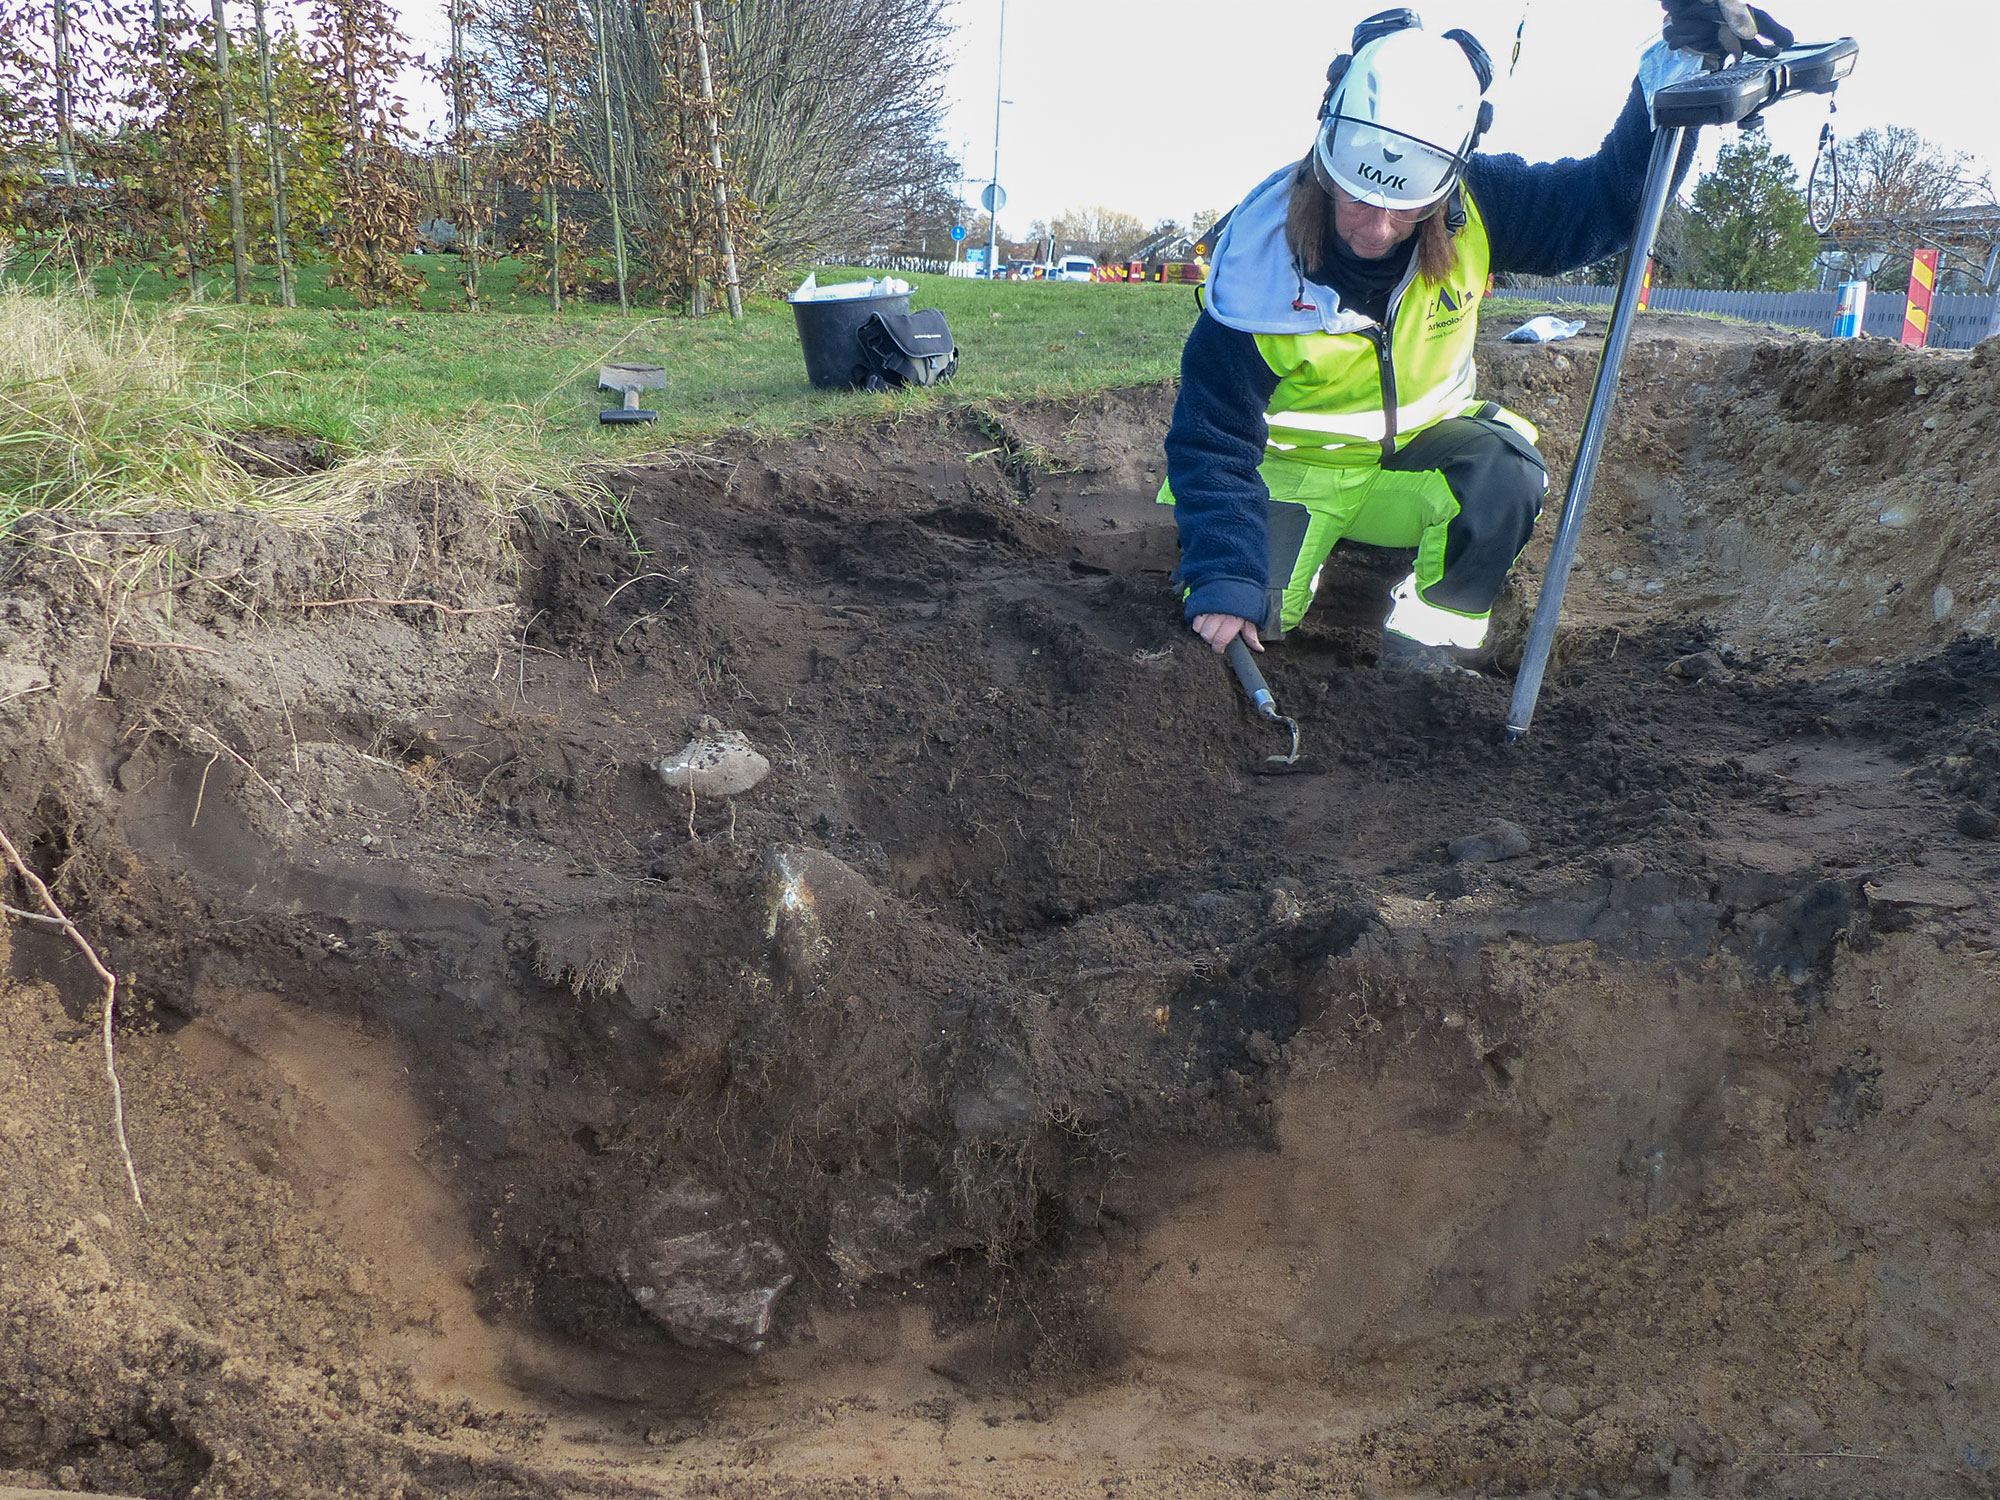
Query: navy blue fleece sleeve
x,y
1213,449
1549,217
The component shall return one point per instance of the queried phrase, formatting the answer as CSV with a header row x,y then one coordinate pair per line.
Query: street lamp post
x,y
993,198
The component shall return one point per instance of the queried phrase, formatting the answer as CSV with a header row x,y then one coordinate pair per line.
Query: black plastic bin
x,y
828,332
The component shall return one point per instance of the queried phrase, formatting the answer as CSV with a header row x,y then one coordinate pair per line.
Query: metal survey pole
x,y
1562,556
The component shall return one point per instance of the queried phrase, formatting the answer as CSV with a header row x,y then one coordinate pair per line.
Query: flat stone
x,y
1557,1401
703,1273
1922,890
1700,666
724,764
1623,865
813,901
1502,840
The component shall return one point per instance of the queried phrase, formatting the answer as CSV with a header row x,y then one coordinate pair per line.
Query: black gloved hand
x,y
1723,29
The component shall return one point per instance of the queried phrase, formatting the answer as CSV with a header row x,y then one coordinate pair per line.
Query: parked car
x,y
1073,268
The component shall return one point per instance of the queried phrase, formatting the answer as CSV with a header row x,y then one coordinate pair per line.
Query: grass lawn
x,y
367,378
111,401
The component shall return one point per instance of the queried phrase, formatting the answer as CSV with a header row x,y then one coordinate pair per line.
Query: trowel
x,y
1266,703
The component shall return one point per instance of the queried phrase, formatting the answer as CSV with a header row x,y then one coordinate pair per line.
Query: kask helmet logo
x,y
1386,180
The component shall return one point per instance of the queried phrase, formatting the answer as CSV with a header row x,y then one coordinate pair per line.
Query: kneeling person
x,y
1327,390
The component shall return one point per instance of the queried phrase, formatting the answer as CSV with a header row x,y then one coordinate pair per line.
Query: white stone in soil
x,y
1942,599
721,765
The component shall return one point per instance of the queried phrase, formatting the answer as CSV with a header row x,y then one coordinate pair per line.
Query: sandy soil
x,y
1016,1092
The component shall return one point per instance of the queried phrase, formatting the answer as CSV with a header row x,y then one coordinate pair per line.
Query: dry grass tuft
x,y
105,411
504,468
100,411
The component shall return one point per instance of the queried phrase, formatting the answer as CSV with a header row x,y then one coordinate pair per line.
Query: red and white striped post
x,y
1923,285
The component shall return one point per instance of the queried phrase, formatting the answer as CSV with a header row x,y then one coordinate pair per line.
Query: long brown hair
x,y
1309,230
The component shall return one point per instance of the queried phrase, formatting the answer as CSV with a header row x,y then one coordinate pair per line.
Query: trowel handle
x,y
1252,679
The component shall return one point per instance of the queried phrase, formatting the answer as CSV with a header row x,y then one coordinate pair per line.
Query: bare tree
x,y
65,94
463,73
612,153
807,125
1095,230
838,108
1899,192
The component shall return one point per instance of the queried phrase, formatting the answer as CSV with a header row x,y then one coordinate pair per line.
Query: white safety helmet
x,y
1401,119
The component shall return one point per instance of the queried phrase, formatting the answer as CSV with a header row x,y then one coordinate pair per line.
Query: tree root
x,y
55,917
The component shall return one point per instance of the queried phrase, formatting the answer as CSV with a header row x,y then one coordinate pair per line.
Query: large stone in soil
x,y
808,891
703,1272
723,764
1502,840
881,1229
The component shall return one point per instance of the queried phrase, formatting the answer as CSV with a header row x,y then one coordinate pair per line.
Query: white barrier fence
x,y
1957,322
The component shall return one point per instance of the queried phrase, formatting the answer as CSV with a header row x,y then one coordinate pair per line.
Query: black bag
x,y
905,349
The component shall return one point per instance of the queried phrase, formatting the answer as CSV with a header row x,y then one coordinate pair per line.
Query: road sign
x,y
957,232
993,197
1923,283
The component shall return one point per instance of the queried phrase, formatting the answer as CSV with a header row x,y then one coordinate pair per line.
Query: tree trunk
x,y
550,208
183,220
65,101
274,148
715,161
611,158
468,229
239,239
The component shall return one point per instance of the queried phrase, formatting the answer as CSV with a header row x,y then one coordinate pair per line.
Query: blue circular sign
x,y
958,232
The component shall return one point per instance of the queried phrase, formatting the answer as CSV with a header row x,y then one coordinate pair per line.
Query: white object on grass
x,y
1545,330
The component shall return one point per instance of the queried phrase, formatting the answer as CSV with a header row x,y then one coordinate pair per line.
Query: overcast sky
x,y
1166,107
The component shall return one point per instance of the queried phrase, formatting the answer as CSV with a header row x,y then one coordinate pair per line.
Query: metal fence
x,y
925,263
1957,322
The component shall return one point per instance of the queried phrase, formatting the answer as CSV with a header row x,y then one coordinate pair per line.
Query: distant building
x,y
1970,237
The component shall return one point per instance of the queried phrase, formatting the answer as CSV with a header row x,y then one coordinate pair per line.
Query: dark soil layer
x,y
1018,1091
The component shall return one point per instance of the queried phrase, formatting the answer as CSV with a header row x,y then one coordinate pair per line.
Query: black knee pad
x,y
1499,480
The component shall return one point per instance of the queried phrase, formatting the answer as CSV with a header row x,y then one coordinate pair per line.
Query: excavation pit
x,y
1011,1092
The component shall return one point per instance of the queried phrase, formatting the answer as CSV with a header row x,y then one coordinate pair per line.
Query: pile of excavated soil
x,y
975,1077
